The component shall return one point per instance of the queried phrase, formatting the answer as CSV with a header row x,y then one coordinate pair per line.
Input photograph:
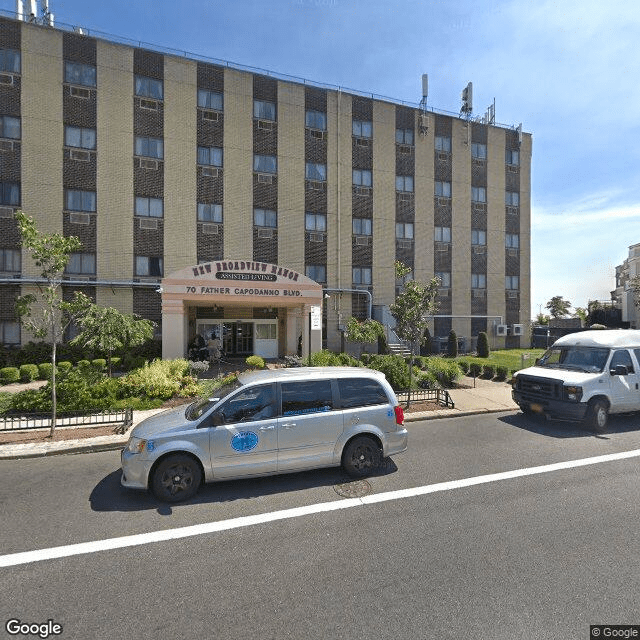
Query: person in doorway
x,y
213,345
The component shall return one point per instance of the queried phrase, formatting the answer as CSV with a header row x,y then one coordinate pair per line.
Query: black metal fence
x,y
122,417
441,396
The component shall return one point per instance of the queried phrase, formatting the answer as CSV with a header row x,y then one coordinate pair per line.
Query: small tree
x,y
452,345
411,311
106,330
363,332
483,345
558,307
46,314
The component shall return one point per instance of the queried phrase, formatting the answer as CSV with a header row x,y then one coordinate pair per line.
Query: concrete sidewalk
x,y
485,397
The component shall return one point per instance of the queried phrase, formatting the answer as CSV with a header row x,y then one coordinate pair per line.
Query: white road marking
x,y
39,555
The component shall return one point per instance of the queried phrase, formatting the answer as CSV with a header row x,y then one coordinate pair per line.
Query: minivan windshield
x,y
198,408
587,359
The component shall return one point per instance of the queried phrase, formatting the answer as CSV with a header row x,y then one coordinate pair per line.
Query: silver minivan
x,y
268,422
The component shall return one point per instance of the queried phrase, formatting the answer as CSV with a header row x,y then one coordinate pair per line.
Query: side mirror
x,y
620,370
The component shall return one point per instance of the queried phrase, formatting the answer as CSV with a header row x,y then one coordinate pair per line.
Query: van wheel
x,y
361,457
176,478
598,415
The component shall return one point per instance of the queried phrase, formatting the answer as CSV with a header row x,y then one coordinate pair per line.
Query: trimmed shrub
x,y
84,364
444,371
502,373
99,364
28,372
452,344
322,358
427,380
464,366
365,358
44,371
345,360
64,367
9,375
115,362
483,345
161,379
475,369
394,368
488,371
256,362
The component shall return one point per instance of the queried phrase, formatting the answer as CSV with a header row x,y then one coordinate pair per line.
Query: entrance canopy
x,y
236,287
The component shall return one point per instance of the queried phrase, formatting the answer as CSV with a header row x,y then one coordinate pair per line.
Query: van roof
x,y
303,373
601,338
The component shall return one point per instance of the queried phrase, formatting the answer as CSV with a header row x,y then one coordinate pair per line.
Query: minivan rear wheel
x,y
361,457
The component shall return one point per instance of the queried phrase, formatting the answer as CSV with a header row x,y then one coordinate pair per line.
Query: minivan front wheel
x,y
176,478
361,457
598,415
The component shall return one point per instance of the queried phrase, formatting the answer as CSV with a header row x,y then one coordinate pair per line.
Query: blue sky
x,y
567,69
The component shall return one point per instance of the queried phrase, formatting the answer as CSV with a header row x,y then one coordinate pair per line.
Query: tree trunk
x,y
53,389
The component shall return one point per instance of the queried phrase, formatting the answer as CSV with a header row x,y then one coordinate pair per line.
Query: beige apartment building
x,y
217,200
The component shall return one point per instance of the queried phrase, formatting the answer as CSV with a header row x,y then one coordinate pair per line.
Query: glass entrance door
x,y
238,338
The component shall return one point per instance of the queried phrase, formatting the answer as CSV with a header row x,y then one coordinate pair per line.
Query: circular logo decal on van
x,y
244,441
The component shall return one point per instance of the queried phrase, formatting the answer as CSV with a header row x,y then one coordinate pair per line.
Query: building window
x,y
317,272
10,332
80,137
80,201
512,198
362,129
149,147
81,264
9,194
265,218
10,260
210,100
404,183
316,171
362,177
478,281
315,222
148,87
478,194
149,207
209,212
10,60
512,241
148,267
512,283
361,276
9,127
478,151
81,74
445,279
362,226
264,110
210,156
442,234
443,189
404,230
443,143
404,136
478,237
265,164
316,120
512,157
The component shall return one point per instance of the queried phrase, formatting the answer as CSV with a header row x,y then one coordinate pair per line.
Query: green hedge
x,y
28,372
9,375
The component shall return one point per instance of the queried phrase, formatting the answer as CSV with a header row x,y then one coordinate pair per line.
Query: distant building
x,y
215,199
623,295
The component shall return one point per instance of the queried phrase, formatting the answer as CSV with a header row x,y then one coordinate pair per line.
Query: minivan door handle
x,y
290,425
271,427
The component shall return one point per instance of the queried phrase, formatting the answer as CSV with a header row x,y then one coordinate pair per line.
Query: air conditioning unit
x,y
501,329
517,330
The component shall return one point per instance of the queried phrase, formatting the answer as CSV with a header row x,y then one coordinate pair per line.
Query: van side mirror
x,y
620,370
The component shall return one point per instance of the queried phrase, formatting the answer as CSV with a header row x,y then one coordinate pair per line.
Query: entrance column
x,y
291,343
175,329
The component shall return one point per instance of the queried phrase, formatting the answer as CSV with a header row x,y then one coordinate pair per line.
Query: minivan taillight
x,y
399,415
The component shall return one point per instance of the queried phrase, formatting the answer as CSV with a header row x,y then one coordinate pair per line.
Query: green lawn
x,y
512,359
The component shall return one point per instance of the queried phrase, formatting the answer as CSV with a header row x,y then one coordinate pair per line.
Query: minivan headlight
x,y
573,393
136,445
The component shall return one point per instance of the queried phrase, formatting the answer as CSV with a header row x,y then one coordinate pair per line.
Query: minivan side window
x,y
360,392
255,403
621,356
306,397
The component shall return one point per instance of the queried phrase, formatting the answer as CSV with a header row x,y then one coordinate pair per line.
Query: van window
x,y
361,392
255,403
306,397
621,356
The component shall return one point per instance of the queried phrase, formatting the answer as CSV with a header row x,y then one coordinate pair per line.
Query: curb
x,y
11,452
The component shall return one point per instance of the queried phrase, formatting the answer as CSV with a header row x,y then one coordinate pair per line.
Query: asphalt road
x,y
538,556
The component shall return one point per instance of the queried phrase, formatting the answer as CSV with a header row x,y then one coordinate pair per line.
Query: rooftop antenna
x,y
32,14
423,118
467,100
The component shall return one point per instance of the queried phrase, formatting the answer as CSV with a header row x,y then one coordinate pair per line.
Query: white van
x,y
584,376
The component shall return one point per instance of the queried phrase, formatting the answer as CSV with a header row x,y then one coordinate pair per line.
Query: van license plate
x,y
537,408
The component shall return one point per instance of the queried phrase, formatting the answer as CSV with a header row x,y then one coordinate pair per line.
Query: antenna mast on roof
x,y
423,118
44,16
